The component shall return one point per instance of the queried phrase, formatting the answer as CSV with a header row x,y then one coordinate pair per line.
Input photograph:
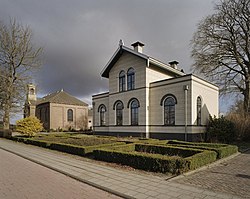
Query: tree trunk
x,y
6,117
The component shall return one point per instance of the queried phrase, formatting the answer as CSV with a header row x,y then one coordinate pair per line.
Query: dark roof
x,y
121,49
61,97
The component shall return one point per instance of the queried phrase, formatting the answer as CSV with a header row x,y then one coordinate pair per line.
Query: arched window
x,y
134,109
32,91
131,79
102,110
198,111
119,112
169,111
70,115
122,81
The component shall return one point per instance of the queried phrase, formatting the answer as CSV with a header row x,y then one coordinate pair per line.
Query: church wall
x,y
59,119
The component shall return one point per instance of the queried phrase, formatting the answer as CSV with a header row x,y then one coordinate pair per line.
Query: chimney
x,y
174,64
138,46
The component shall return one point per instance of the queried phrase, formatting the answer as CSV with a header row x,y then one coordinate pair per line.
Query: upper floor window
x,y
119,113
122,82
131,79
102,110
169,111
70,115
198,111
134,110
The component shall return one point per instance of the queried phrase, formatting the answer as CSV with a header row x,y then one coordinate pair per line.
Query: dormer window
x,y
122,81
131,79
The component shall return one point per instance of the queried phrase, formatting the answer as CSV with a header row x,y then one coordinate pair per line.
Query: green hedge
x,y
167,150
148,162
222,150
68,148
156,159
213,145
227,151
201,159
80,150
44,144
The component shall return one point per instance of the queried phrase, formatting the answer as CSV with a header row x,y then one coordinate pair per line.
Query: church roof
x,y
150,60
61,97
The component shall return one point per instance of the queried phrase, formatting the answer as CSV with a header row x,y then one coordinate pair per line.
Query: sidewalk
x,y
122,183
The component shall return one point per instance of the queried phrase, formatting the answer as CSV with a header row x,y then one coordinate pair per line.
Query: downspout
x,y
186,87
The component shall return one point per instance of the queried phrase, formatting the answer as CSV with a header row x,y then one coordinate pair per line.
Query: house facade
x,y
58,110
149,98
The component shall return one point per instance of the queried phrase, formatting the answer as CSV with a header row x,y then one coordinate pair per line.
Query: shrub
x,y
155,158
166,150
148,162
29,126
222,150
201,159
220,130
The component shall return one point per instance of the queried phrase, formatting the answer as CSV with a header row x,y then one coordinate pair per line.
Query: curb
x,y
72,176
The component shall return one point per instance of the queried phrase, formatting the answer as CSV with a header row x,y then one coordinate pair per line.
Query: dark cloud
x,y
80,36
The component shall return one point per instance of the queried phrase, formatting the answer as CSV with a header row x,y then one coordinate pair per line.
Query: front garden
x,y
154,155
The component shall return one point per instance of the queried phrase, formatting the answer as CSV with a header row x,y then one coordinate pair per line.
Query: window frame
x,y
122,81
102,110
119,113
134,113
131,79
70,115
198,109
169,111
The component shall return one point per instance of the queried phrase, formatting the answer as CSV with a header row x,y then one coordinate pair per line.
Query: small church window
x,y
122,81
131,79
70,115
198,111
169,111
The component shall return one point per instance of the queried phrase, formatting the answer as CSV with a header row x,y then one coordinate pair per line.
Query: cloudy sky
x,y
80,36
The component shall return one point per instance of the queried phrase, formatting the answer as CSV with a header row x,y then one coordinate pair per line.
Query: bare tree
x,y
221,48
82,122
18,57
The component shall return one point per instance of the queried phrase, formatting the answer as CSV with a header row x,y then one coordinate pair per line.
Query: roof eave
x,y
118,52
165,66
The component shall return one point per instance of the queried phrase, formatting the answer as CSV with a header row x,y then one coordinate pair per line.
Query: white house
x,y
152,99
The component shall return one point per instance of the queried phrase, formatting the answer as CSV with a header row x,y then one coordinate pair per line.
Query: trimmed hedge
x,y
213,145
148,162
222,150
166,150
43,144
79,150
201,159
68,148
156,159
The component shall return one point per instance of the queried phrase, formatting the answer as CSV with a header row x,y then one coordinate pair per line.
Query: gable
x,y
116,56
149,60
